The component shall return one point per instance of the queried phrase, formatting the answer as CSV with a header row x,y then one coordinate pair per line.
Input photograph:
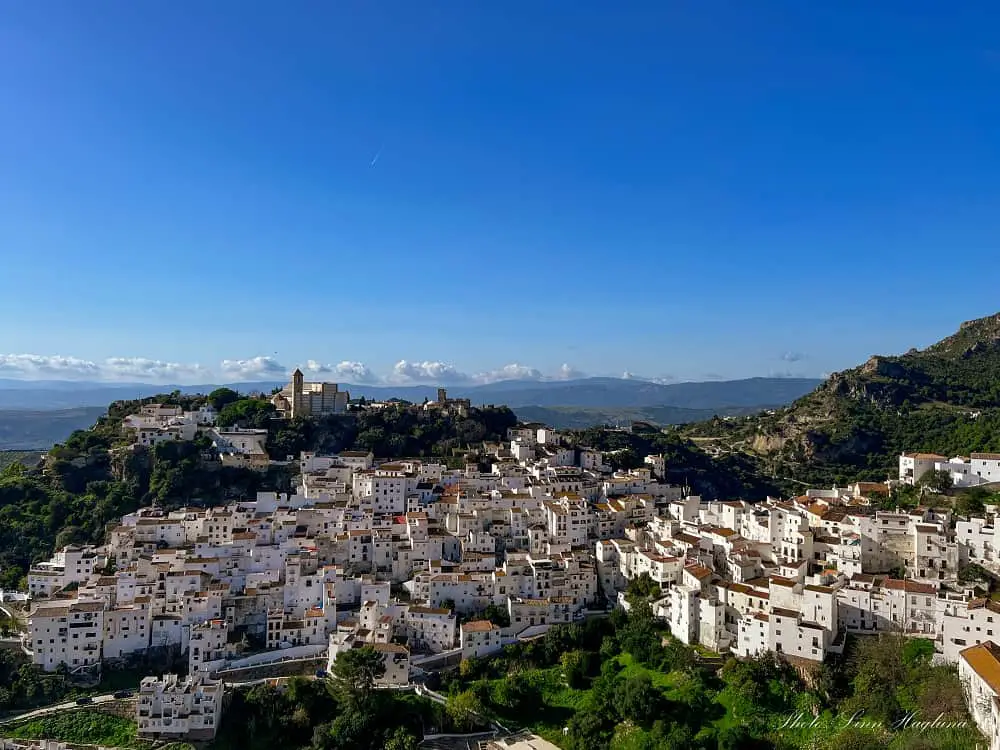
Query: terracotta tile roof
x,y
910,587
985,662
699,571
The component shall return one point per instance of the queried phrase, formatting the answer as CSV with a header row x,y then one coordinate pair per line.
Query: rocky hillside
x,y
945,398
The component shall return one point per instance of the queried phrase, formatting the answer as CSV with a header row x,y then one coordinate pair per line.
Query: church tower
x,y
298,403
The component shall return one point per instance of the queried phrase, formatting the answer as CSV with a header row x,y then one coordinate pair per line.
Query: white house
x,y
912,466
72,564
979,672
480,638
69,632
961,472
207,647
986,466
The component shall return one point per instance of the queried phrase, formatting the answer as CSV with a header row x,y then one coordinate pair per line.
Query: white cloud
x,y
426,372
568,372
659,380
146,370
512,371
35,366
255,368
355,372
58,367
793,357
142,369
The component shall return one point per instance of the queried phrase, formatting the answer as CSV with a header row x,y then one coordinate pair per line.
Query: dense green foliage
x,y
78,726
621,682
23,686
642,588
312,714
246,412
222,397
393,432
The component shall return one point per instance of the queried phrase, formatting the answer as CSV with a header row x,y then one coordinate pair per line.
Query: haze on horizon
x,y
449,193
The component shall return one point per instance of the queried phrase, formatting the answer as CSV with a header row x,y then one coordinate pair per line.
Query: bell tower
x,y
297,402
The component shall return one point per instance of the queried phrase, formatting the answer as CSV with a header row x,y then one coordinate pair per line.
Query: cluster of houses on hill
x,y
161,423
246,447
962,471
422,562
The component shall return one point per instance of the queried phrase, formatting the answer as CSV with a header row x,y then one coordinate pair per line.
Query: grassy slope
x,y
78,726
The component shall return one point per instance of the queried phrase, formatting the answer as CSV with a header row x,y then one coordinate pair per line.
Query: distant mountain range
x,y
35,414
586,392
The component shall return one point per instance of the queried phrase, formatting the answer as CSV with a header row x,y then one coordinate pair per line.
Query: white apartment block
x,y
66,632
174,708
72,564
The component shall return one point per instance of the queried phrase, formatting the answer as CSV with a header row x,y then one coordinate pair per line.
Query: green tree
x,y
589,730
638,700
514,692
497,615
880,670
401,739
247,412
936,481
222,397
972,502
354,675
574,667
463,709
13,470
641,588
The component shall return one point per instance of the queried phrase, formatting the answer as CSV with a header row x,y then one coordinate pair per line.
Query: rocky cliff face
x,y
850,419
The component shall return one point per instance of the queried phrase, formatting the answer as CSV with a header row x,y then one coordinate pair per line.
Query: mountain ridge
x,y
944,398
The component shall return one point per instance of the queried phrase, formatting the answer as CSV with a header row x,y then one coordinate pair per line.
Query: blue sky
x,y
673,189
